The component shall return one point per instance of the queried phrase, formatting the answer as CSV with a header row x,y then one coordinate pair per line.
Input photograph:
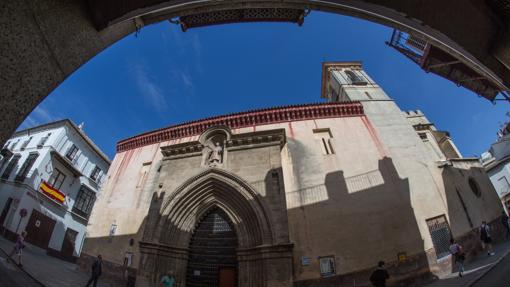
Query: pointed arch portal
x,y
188,216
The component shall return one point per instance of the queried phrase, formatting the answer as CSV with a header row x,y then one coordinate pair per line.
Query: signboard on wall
x,y
52,193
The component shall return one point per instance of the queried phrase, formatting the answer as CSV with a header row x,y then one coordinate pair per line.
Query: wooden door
x,y
39,229
69,243
227,277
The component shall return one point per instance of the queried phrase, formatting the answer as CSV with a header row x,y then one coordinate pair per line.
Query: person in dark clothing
x,y
97,269
379,276
506,224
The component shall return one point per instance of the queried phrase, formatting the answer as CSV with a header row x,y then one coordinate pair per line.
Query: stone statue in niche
x,y
212,155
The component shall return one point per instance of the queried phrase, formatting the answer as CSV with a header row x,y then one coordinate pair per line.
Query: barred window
x,y
95,173
441,235
71,152
84,202
27,165
10,167
57,178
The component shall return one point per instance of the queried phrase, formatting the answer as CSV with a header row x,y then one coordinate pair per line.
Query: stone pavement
x,y
475,269
49,271
53,272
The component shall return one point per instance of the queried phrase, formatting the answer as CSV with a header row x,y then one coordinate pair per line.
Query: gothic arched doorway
x,y
212,257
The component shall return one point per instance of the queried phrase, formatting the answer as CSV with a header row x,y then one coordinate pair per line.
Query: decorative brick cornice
x,y
245,119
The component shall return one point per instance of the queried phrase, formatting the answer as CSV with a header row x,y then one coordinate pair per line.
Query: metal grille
x,y
440,233
411,46
212,247
242,15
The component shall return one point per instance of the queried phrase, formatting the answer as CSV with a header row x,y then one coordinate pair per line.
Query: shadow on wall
x,y
359,229
471,199
166,243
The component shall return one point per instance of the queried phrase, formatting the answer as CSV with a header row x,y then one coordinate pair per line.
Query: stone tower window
x,y
355,79
323,136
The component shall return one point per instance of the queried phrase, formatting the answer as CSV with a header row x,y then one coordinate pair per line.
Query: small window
x,y
57,179
475,188
14,144
440,234
43,140
95,173
10,167
354,78
368,95
327,266
423,136
113,230
84,202
503,185
25,143
71,152
323,137
27,165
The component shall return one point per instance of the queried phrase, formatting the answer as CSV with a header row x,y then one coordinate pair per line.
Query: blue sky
x,y
164,76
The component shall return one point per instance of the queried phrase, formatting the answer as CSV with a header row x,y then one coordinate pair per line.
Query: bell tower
x,y
347,81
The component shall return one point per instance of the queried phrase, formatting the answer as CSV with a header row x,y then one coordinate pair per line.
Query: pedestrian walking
x,y
18,247
379,276
168,280
485,237
505,222
458,254
97,269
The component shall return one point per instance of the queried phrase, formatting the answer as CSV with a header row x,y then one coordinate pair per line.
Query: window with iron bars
x,y
27,165
440,234
84,202
10,167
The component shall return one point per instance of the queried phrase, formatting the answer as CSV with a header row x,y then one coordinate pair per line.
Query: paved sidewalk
x,y
49,271
474,269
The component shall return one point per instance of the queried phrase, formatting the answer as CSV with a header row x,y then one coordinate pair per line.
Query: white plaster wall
x,y
62,136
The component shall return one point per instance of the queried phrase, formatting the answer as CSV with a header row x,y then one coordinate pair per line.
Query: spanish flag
x,y
51,192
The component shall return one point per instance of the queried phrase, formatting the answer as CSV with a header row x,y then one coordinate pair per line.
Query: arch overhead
x,y
450,53
44,41
166,247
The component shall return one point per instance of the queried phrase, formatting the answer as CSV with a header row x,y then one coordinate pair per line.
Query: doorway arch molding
x,y
166,246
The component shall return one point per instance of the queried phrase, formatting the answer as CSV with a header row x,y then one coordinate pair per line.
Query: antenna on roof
x,y
81,126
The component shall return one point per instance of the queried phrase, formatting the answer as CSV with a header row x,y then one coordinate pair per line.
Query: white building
x,y
51,173
497,164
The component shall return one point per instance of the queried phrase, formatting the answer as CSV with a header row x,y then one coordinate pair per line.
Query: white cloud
x,y
43,114
186,79
151,91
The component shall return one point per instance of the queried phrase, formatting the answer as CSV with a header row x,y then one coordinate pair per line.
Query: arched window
x,y
475,188
355,79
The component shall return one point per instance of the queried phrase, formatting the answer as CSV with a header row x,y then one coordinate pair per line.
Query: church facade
x,y
302,195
